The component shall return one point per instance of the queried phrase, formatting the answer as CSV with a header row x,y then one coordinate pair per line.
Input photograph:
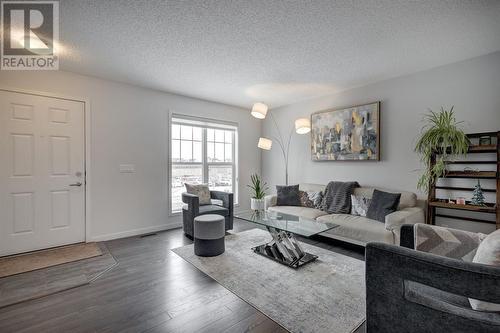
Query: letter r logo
x,y
28,28
18,29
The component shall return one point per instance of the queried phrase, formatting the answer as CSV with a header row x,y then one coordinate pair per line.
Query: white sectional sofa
x,y
358,229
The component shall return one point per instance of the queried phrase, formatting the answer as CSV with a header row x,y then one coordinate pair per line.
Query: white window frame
x,y
204,123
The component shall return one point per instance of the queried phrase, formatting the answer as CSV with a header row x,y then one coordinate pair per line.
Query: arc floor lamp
x,y
302,126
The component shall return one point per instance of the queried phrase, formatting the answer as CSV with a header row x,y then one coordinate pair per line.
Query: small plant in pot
x,y
443,137
259,189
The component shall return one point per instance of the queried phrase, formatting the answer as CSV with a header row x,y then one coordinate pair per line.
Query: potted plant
x,y
443,135
258,192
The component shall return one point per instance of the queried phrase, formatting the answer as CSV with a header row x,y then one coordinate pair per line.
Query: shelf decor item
x,y
485,141
443,135
348,134
477,195
259,189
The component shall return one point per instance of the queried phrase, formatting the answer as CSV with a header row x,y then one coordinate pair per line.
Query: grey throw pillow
x,y
488,253
382,204
202,191
288,195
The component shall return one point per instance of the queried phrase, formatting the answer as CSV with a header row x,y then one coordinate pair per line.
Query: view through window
x,y
202,152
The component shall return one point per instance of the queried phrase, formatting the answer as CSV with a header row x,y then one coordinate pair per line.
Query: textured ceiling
x,y
278,52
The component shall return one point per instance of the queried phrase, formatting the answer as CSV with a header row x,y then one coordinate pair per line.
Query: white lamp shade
x,y
265,144
259,110
302,126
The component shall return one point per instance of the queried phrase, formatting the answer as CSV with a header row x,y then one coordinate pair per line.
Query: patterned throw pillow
x,y
360,205
311,199
201,191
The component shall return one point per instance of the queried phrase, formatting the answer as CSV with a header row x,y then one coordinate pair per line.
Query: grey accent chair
x,y
413,291
193,209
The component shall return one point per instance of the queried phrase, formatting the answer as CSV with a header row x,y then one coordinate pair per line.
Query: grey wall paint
x,y
472,86
129,126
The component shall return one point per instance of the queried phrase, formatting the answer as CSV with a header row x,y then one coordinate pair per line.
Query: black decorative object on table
x,y
284,247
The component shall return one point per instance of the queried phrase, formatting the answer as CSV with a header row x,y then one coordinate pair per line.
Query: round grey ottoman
x,y
209,231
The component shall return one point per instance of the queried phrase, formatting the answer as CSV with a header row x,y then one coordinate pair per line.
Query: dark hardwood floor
x,y
150,290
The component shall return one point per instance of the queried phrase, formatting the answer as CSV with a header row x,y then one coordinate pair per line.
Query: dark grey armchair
x,y
413,291
193,209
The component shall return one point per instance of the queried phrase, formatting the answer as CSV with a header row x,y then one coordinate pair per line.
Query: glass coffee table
x,y
284,248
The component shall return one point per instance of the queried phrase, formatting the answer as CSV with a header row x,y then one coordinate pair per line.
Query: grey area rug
x,y
327,295
46,281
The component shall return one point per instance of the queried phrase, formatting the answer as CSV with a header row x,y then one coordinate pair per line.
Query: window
x,y
202,152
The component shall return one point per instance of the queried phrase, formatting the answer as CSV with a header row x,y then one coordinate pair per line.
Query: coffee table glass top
x,y
286,222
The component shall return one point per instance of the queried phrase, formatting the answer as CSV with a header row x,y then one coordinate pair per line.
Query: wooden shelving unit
x,y
472,174
489,208
485,209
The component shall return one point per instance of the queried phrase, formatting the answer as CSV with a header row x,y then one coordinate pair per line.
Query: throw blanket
x,y
337,199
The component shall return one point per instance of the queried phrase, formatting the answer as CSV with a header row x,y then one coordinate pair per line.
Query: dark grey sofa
x,y
412,291
193,209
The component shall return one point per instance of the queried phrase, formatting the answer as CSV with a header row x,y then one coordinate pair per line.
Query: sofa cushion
x,y
288,195
216,202
382,204
310,213
407,200
211,209
359,228
309,187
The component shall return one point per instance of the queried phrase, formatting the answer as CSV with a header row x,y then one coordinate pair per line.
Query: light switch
x,y
127,168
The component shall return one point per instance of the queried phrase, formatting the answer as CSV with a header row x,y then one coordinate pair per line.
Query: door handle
x,y
76,184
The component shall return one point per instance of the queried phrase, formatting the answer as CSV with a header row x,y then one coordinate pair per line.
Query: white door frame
x,y
87,144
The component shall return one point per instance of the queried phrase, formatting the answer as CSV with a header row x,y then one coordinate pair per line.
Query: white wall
x,y
472,86
129,126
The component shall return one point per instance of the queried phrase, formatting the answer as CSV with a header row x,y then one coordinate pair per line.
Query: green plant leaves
x,y
258,187
442,135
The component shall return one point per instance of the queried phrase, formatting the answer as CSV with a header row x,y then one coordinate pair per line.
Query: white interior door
x,y
42,165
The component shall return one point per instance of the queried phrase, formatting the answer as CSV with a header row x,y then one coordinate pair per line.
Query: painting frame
x,y
347,156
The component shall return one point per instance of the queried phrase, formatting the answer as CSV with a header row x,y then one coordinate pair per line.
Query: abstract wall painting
x,y
348,134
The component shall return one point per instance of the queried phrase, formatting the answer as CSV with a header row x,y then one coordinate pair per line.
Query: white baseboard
x,y
135,232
